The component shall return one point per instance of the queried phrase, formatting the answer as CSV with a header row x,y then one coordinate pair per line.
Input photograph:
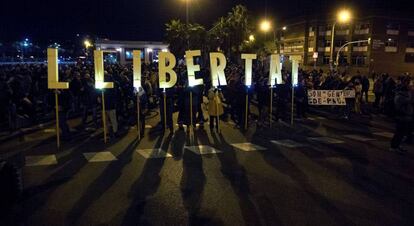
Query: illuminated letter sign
x,y
136,54
165,69
275,73
295,71
218,77
99,71
191,68
53,71
248,67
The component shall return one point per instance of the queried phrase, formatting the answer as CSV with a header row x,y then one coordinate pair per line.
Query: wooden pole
x,y
57,119
138,118
291,113
271,106
217,111
191,128
247,110
104,115
165,110
191,110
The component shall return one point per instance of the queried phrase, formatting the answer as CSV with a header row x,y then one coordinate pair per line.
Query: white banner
x,y
326,97
349,93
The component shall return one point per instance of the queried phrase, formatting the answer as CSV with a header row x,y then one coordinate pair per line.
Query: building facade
x,y
390,49
123,49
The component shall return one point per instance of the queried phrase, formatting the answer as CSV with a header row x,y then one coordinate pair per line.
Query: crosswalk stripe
x,y
384,134
327,140
248,147
105,156
203,149
287,143
153,153
41,160
358,137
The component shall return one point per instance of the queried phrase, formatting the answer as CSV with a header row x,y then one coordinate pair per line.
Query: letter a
x,y
275,73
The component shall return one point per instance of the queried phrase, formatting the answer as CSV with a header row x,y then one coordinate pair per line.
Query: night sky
x,y
145,19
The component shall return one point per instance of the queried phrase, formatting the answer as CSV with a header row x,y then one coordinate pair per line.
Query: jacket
x,y
215,105
403,101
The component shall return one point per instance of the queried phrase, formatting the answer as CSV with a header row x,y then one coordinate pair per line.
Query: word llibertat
x,y
167,62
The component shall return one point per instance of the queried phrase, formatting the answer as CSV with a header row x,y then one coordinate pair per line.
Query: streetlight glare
x,y
251,38
265,26
87,43
344,16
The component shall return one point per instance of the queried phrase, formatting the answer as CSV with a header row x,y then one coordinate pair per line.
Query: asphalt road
x,y
285,175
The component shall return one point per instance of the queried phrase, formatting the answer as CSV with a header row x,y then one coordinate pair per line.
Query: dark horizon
x,y
144,20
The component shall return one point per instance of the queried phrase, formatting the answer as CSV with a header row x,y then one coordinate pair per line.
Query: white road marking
x,y
105,156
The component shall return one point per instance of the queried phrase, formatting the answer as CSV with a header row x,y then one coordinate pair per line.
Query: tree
x,y
182,37
230,33
176,33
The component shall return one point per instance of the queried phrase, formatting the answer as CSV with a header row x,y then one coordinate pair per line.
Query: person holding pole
x,y
142,103
301,99
167,102
263,99
64,106
111,100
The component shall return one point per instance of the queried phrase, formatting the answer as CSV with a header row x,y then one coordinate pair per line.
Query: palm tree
x,y
176,33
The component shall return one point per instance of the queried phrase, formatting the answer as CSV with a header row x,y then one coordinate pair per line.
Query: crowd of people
x,y
24,94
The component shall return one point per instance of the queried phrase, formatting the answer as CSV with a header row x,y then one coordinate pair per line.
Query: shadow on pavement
x,y
236,174
192,183
36,197
279,162
145,186
177,144
108,177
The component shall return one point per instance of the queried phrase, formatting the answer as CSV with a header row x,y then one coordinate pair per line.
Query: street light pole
x,y
187,21
343,16
186,12
332,46
346,44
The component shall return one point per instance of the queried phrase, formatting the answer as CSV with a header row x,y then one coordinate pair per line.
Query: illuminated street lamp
x,y
87,43
265,26
343,16
251,38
